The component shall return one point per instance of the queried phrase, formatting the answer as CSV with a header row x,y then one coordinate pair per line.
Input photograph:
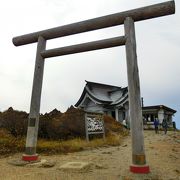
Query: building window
x,y
113,114
124,115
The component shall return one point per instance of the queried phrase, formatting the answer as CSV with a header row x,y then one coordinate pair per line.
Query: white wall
x,y
161,115
91,106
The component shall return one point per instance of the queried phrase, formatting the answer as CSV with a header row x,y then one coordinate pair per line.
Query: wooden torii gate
x,y
127,18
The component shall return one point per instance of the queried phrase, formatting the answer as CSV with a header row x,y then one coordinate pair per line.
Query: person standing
x,y
156,125
165,126
174,125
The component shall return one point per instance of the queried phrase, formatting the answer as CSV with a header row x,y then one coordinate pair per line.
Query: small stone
x,y
175,150
178,141
43,163
99,166
172,156
177,171
75,166
125,145
106,152
48,164
18,162
126,178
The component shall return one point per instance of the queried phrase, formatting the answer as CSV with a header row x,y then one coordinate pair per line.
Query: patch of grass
x,y
58,147
10,145
74,145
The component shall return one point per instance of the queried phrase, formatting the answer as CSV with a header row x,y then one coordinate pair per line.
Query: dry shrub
x,y
15,122
71,124
68,125
10,144
55,125
46,124
112,126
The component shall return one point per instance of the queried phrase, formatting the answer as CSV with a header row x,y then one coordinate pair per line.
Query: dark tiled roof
x,y
89,83
159,107
103,93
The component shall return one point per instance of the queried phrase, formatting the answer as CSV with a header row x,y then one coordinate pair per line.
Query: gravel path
x,y
107,163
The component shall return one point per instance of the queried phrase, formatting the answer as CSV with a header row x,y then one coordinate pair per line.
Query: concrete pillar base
x,y
26,157
140,169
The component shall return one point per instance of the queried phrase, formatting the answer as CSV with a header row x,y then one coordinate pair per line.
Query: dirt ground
x,y
107,163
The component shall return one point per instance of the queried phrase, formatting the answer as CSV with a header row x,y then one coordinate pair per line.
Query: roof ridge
x,y
90,82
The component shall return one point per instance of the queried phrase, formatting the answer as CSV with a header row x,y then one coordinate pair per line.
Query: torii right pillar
x,y
136,123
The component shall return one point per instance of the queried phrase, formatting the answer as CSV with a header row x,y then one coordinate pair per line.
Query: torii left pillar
x,y
33,122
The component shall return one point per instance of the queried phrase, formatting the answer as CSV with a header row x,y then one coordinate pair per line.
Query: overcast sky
x,y
158,51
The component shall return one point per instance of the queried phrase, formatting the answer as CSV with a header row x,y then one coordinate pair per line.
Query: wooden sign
x,y
94,124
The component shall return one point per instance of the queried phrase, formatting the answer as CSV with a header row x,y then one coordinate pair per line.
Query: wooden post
x,y
86,128
117,114
136,123
84,47
33,123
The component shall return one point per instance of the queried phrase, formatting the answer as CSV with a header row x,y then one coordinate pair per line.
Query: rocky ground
x,y
107,163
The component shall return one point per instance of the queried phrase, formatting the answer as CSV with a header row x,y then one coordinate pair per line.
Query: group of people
x,y
164,125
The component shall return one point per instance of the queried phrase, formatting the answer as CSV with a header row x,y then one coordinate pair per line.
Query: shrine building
x,y
114,101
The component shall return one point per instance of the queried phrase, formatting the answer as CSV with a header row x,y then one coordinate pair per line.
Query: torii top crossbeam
x,y
139,14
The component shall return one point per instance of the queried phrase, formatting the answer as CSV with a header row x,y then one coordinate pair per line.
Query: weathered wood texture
x,y
134,93
32,132
106,43
139,14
